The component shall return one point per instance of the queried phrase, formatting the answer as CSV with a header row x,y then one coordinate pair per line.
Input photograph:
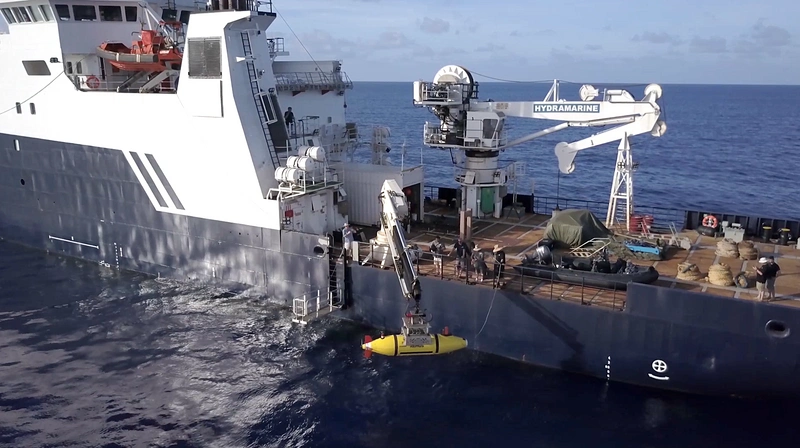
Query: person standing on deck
x,y
761,279
499,265
771,271
437,249
460,249
479,263
288,118
347,240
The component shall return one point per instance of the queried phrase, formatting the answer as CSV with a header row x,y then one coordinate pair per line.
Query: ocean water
x,y
90,357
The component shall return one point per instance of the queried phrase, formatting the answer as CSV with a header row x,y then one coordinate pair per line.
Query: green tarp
x,y
575,227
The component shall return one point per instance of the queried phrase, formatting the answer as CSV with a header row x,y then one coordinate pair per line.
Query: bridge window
x,y
22,15
185,17
62,11
84,13
69,68
131,13
36,68
79,68
205,58
33,14
8,15
110,13
45,10
169,15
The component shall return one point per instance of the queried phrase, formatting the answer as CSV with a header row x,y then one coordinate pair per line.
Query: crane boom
x,y
393,209
477,128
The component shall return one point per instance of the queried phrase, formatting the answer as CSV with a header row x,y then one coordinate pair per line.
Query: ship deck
x,y
519,233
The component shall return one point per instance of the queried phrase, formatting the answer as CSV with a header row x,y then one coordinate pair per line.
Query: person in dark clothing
x,y
771,271
288,118
499,264
462,255
761,279
479,263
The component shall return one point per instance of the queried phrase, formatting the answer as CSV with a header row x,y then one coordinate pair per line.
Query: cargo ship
x,y
194,151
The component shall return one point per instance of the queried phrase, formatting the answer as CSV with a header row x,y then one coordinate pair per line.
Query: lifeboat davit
x,y
395,345
150,54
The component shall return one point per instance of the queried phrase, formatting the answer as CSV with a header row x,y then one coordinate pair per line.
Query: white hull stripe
x,y
154,181
167,186
149,180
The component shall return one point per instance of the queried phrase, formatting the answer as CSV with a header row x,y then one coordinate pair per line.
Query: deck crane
x,y
415,338
478,129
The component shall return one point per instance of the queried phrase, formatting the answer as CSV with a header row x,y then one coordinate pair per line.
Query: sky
x,y
637,41
631,41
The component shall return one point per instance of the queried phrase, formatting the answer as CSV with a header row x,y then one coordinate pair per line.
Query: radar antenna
x,y
478,129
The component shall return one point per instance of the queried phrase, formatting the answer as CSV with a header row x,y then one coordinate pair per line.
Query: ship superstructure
x,y
135,140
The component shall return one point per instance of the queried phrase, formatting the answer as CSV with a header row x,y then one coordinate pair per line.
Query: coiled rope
x,y
727,248
689,271
747,250
720,275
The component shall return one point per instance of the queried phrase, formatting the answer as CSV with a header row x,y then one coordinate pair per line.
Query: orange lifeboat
x,y
150,54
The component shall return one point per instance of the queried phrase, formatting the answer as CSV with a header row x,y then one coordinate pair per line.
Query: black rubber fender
x,y
741,280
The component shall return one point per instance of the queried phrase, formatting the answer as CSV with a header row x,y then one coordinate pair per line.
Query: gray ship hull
x,y
664,338
86,202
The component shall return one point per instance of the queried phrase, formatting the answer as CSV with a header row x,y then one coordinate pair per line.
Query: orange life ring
x,y
92,82
710,221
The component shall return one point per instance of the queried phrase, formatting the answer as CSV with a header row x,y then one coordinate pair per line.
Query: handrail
x,y
332,80
514,281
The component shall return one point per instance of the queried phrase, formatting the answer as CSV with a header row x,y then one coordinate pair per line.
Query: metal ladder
x,y
314,305
258,97
588,249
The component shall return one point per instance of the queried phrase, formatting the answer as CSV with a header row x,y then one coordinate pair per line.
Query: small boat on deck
x,y
153,53
599,272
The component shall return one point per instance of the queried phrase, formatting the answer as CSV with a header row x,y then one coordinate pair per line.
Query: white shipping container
x,y
363,183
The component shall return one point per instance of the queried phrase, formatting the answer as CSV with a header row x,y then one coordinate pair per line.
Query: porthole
x,y
777,329
22,181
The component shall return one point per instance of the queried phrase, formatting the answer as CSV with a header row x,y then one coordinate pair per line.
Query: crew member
x,y
479,263
771,271
761,279
499,264
462,256
347,240
288,117
437,249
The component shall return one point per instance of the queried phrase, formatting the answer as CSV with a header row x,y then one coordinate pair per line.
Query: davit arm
x,y
470,124
393,203
618,108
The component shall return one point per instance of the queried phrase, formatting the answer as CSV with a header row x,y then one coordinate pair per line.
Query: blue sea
x,y
90,357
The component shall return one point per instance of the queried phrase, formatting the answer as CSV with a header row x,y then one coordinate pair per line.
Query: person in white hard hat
x,y
761,279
